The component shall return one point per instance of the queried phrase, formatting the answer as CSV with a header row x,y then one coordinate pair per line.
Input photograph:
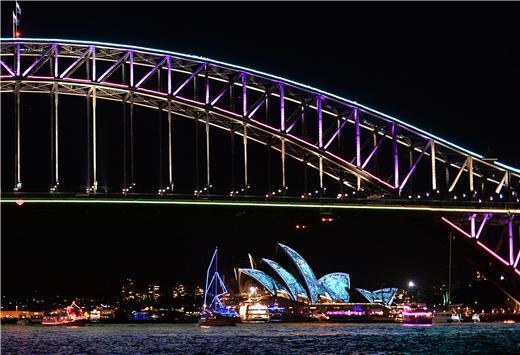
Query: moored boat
x,y
417,315
254,313
72,316
446,317
215,313
218,319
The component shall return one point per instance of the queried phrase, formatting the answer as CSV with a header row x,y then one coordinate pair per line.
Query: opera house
x,y
292,281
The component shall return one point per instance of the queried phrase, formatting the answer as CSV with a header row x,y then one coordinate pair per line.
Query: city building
x,y
154,292
179,291
128,290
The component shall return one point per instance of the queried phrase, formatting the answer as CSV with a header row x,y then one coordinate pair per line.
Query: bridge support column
x,y
321,176
358,146
170,148
470,172
94,141
434,171
282,140
17,158
208,175
125,157
161,172
132,168
396,155
89,180
206,102
232,143
55,138
282,152
246,182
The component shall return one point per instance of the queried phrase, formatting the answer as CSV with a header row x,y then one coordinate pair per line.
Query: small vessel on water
x,y
446,317
215,313
72,316
254,313
417,315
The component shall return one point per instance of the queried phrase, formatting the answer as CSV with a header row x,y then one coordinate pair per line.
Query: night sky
x,y
450,69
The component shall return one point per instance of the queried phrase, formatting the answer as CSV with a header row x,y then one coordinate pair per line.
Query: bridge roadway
x,y
435,206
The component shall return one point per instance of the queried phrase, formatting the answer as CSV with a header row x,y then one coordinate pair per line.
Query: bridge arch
x,y
335,136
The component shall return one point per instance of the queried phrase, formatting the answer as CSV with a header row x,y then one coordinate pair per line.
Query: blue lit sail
x,y
265,280
384,295
367,294
288,279
314,288
337,285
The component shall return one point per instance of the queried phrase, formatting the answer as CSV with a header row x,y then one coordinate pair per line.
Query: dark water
x,y
264,338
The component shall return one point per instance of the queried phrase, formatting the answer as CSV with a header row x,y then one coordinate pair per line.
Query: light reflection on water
x,y
263,338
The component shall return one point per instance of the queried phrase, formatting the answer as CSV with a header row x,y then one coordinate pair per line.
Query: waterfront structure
x,y
329,289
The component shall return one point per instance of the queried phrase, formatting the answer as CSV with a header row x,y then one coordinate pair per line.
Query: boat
x,y
218,318
215,313
446,317
72,316
417,315
23,321
9,320
254,313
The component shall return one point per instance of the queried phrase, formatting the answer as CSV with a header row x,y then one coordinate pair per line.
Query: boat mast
x,y
215,274
449,273
207,278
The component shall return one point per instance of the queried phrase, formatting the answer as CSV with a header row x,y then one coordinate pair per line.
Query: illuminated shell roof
x,y
288,279
384,295
265,280
337,285
313,286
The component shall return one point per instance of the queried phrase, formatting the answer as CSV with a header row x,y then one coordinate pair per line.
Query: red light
x,y
17,33
19,202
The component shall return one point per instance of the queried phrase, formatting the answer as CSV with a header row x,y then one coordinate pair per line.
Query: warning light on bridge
x,y
20,202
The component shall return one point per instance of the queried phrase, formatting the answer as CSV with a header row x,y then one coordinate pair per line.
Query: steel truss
x,y
370,154
497,234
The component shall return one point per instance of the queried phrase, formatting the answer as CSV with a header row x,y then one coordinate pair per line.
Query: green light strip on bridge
x,y
266,204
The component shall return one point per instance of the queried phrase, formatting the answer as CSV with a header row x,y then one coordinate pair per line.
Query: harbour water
x,y
263,338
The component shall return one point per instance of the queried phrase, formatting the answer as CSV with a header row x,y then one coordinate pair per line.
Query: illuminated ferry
x,y
72,316
254,313
417,315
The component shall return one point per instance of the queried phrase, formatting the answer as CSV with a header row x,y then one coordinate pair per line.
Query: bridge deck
x,y
278,202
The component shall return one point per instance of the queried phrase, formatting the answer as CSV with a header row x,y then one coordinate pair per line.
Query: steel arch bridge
x,y
371,159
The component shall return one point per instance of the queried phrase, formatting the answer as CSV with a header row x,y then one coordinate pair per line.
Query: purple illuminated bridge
x,y
348,155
